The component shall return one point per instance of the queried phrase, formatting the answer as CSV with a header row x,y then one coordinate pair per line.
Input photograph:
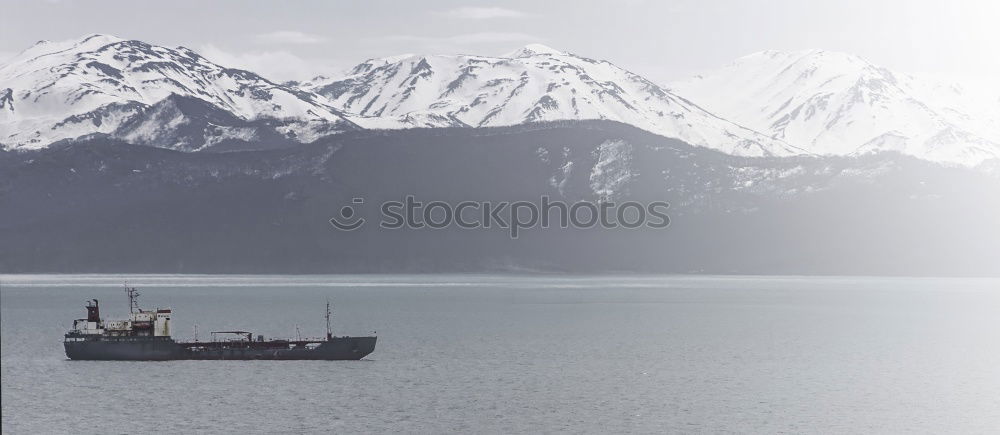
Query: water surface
x,y
481,353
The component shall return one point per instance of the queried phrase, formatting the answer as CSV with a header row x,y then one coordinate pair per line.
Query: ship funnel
x,y
93,311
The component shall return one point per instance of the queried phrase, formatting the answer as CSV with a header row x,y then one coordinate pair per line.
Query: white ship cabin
x,y
140,323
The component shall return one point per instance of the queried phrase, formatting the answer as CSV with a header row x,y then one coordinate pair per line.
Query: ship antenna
x,y
133,298
329,332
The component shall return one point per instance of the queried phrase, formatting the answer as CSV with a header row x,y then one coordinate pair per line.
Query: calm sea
x,y
523,354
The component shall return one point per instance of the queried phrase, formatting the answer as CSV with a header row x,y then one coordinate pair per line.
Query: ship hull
x,y
166,349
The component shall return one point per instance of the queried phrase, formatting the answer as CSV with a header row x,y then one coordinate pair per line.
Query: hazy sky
x,y
663,40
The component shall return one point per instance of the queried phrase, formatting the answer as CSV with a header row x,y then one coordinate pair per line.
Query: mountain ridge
x,y
838,103
98,83
531,84
770,103
103,205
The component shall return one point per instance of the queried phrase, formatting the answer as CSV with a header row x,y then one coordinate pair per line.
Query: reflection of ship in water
x,y
145,335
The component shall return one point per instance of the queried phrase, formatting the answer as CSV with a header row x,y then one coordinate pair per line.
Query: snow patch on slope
x,y
612,169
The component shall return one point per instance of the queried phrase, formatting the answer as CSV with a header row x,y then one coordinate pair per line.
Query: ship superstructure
x,y
145,335
140,323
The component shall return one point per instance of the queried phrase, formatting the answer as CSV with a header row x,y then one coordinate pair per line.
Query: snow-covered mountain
x,y
533,84
765,104
147,94
835,103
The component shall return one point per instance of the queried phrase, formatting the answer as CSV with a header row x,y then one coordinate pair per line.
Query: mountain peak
x,y
91,42
813,54
834,102
85,43
532,50
101,84
535,83
99,38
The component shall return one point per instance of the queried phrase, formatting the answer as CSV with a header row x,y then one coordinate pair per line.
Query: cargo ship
x,y
145,336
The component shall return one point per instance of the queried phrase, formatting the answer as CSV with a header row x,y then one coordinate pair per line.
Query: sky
x,y
662,40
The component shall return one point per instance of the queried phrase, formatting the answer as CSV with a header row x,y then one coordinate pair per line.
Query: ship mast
x,y
329,332
133,298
